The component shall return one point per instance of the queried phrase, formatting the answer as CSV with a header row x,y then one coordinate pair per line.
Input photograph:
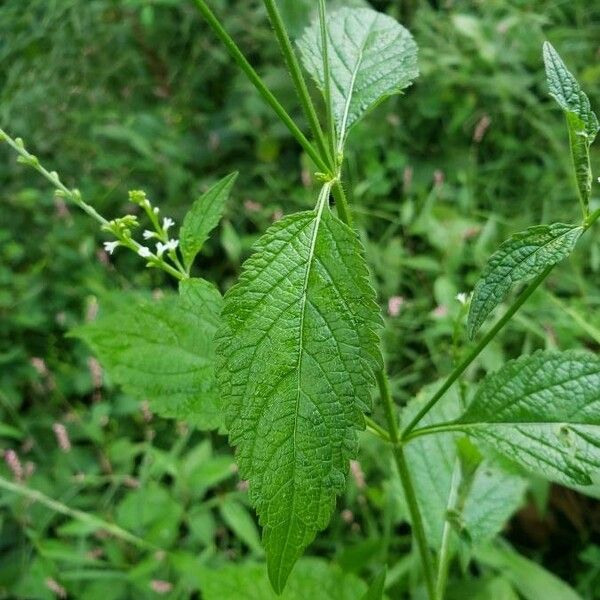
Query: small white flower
x,y
167,222
156,210
463,298
148,234
110,246
172,244
144,252
160,249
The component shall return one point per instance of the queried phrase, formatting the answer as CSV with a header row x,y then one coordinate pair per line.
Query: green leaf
x,y
163,351
203,217
542,411
377,587
530,579
312,578
494,496
520,258
483,501
297,349
297,14
582,122
371,57
565,89
432,460
241,523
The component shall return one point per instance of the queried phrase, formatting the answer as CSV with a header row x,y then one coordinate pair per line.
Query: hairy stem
x,y
341,203
377,429
444,558
55,505
327,79
259,84
406,481
297,77
476,351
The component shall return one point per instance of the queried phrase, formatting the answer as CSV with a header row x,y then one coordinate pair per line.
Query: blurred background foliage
x,y
126,94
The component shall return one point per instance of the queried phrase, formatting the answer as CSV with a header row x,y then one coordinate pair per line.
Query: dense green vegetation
x,y
130,94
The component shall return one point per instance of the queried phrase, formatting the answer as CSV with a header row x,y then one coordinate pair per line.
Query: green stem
x,y
53,178
406,481
258,83
297,77
377,429
327,80
75,196
476,351
444,558
73,513
341,203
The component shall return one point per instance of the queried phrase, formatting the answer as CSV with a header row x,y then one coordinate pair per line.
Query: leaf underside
x,y
567,92
488,501
371,56
297,349
543,412
203,217
582,122
163,352
520,258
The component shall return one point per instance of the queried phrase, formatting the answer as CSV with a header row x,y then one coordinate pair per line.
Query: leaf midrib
x,y
309,264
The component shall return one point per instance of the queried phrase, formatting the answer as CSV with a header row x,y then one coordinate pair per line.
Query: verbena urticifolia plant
x,y
287,361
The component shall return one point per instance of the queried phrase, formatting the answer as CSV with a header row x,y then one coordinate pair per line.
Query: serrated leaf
x,y
203,217
582,122
520,258
543,412
565,89
371,56
312,578
482,503
163,351
297,349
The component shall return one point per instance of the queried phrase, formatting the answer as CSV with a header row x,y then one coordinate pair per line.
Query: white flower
x,y
463,298
148,234
160,249
144,252
110,246
155,209
167,222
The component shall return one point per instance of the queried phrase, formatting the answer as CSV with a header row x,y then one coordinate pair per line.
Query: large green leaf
x,y
542,411
312,578
371,57
582,122
203,217
163,351
520,258
297,349
481,502
531,580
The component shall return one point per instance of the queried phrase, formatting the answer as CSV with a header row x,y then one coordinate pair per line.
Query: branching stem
x,y
406,481
298,78
260,85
